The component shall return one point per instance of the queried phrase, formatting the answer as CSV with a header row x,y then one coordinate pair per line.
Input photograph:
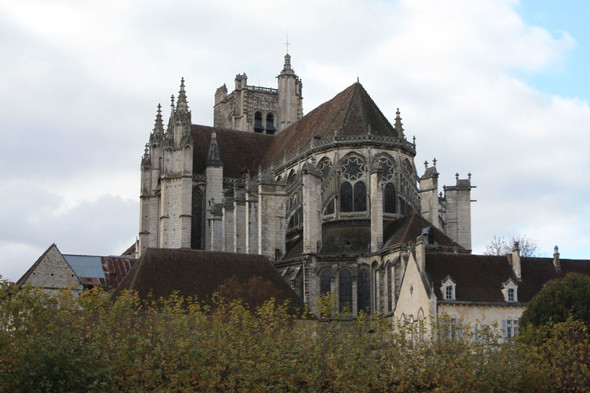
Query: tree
x,y
561,299
500,246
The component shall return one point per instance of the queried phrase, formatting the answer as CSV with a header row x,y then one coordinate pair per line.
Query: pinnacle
x,y
181,104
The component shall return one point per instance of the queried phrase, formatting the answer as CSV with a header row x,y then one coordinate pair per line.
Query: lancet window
x,y
345,291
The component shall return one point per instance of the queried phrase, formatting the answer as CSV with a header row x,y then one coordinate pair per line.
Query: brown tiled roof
x,y
407,228
536,272
337,240
351,112
199,274
478,278
118,265
239,150
129,251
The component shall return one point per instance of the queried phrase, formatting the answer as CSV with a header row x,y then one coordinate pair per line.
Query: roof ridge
x,y
349,101
30,270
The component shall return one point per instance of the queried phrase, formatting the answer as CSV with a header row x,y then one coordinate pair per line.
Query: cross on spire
x,y
287,43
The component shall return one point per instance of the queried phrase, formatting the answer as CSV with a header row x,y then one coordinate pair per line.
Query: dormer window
x,y
510,291
510,294
448,288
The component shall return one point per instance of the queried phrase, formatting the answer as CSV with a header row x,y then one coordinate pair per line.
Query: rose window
x,y
387,169
325,167
353,168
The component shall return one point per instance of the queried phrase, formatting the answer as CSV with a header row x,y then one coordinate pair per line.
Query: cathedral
x,y
333,198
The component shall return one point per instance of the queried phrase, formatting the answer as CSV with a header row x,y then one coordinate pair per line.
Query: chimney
x,y
421,253
516,261
113,280
556,262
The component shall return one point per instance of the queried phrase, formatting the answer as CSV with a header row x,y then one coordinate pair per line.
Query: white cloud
x,y
81,81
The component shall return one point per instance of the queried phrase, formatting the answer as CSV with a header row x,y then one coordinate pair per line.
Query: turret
x,y
429,204
458,198
290,97
213,192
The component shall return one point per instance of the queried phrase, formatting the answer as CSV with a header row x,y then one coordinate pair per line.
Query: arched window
x,y
258,127
330,207
360,197
389,288
196,220
345,291
346,197
325,287
325,166
364,291
389,198
270,126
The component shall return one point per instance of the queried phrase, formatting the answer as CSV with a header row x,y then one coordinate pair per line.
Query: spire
x,y
159,126
158,135
171,119
181,104
146,162
398,124
214,158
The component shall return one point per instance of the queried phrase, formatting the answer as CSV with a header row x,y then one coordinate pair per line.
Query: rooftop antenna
x,y
287,43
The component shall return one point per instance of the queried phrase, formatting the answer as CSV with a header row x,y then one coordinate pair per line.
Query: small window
x,y
449,292
510,294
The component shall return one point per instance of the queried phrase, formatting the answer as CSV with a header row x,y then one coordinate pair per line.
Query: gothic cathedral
x,y
333,198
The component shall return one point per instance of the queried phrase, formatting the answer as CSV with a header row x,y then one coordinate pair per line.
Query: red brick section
x,y
200,273
239,150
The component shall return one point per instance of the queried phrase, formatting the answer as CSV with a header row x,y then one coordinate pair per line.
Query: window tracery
x,y
386,168
325,167
353,168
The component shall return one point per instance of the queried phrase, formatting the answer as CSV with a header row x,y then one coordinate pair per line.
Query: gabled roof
x,y
28,273
196,273
350,112
407,228
238,150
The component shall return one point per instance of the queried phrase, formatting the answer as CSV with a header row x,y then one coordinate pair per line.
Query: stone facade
x,y
317,197
52,273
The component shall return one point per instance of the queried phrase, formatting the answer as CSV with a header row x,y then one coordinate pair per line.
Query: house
x,y
54,271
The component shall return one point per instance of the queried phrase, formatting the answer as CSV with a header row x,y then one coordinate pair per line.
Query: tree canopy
x,y
501,245
561,299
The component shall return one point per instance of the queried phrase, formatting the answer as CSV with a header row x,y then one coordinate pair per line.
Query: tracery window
x,y
345,291
346,197
364,291
353,168
389,198
325,167
325,287
360,197
386,168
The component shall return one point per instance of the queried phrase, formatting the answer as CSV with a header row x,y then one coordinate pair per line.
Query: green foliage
x,y
559,353
92,344
559,301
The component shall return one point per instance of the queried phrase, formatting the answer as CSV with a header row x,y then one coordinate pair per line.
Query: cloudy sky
x,y
499,89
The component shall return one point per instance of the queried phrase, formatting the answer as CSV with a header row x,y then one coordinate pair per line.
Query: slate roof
x,y
407,228
351,112
199,274
238,150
